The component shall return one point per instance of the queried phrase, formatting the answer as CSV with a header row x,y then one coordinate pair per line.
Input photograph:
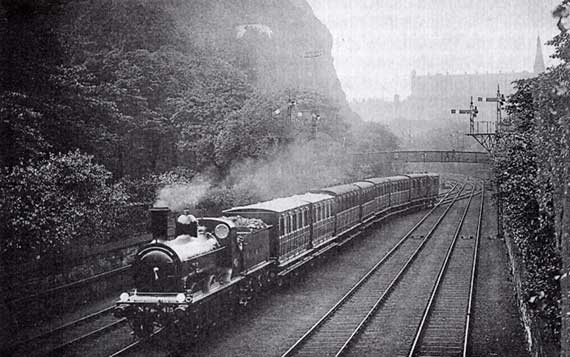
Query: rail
x,y
299,344
428,309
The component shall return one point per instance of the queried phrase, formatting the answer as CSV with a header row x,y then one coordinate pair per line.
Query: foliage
x,y
527,208
267,123
51,203
220,198
533,174
151,107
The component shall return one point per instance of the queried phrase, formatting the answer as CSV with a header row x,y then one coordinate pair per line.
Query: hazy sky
x,y
377,43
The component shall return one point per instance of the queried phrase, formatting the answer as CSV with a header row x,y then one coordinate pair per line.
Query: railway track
x,y
444,330
395,327
333,333
143,347
60,340
88,332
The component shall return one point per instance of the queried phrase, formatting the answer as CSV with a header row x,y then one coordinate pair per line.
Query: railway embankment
x,y
497,326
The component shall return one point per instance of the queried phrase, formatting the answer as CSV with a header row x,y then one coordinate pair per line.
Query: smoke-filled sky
x,y
377,43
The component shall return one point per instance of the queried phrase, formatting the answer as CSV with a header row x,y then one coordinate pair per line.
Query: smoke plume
x,y
180,196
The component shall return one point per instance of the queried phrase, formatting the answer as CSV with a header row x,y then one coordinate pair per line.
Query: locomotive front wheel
x,y
207,283
142,327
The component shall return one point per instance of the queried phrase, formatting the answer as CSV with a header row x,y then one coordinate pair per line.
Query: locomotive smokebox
x,y
159,222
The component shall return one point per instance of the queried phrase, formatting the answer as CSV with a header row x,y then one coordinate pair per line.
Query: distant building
x,y
434,95
426,113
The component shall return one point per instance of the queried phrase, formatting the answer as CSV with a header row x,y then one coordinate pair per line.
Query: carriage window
x,y
290,224
294,222
281,226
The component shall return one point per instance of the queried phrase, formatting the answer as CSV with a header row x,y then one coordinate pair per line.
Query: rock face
x,y
279,43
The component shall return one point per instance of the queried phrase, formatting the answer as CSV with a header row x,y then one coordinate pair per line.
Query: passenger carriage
x,y
433,190
347,206
382,187
300,223
399,191
368,204
418,187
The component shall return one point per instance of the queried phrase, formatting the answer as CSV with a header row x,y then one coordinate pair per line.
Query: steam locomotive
x,y
216,265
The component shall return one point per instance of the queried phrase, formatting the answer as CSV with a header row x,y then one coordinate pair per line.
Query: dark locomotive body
x,y
197,279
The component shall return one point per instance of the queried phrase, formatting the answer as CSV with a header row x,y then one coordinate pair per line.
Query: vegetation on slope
x,y
119,100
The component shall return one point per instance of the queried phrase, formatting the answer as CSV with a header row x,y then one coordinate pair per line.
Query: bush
x,y
49,204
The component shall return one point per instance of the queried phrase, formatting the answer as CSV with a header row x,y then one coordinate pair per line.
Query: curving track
x,y
423,327
444,330
338,328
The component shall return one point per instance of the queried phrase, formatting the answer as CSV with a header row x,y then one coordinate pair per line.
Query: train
x,y
215,265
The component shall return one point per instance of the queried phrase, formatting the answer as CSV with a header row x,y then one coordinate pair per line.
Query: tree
x,y
49,204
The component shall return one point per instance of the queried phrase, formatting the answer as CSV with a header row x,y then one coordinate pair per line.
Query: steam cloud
x,y
297,169
182,196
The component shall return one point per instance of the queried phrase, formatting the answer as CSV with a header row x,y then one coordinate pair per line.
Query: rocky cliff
x,y
280,44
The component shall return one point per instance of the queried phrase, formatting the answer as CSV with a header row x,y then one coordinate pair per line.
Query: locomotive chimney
x,y
159,222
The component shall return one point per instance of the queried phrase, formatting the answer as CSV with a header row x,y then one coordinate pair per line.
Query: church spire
x,y
538,60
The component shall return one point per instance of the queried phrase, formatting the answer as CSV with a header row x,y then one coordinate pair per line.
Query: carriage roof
x,y
338,189
364,184
416,175
379,180
282,204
